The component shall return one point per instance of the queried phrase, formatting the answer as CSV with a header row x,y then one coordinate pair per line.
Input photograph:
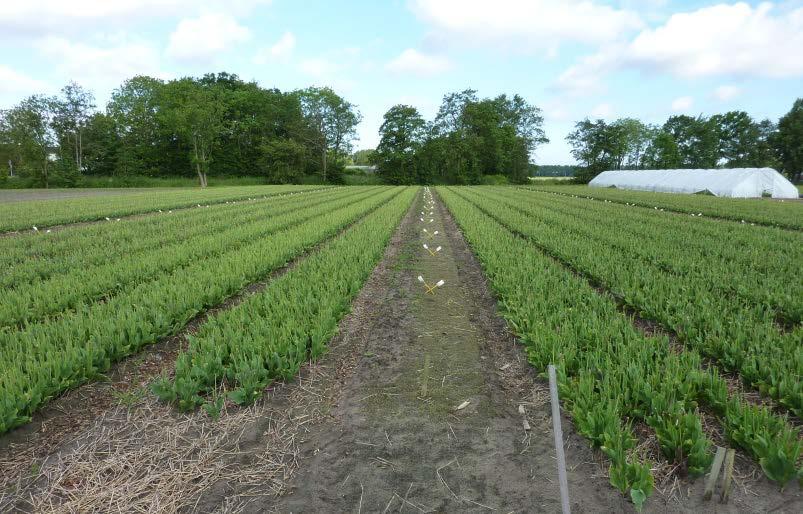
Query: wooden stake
x,y
727,479
556,428
712,477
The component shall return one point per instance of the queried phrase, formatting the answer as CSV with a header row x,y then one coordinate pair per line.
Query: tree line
x,y
216,124
470,141
730,140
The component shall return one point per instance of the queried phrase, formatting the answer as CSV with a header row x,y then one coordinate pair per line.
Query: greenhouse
x,y
733,183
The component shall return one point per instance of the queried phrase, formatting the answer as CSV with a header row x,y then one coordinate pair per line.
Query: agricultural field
x,y
779,213
378,348
40,210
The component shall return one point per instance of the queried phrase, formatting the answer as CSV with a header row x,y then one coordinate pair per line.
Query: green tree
x,y
788,142
145,146
363,157
662,152
739,139
494,136
72,111
450,114
282,160
630,138
331,122
196,113
101,145
9,155
698,140
29,132
590,146
402,134
765,155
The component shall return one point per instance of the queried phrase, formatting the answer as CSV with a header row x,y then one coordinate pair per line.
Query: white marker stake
x,y
430,289
556,428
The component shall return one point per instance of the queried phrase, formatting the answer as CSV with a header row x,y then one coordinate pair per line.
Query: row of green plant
x,y
22,215
37,300
611,376
45,359
34,256
273,333
754,263
778,213
99,241
741,336
699,226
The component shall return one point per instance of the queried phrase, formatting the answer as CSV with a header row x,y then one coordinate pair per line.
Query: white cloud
x,y
727,40
104,66
318,67
585,77
280,50
525,24
725,93
413,62
603,110
58,17
201,39
336,67
12,81
721,40
556,110
682,104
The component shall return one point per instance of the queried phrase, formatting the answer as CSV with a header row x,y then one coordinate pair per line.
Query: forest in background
x,y
470,141
154,132
214,125
729,140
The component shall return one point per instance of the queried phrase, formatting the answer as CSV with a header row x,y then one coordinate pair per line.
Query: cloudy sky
x,y
573,58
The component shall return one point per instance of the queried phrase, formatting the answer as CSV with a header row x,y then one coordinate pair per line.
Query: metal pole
x,y
564,483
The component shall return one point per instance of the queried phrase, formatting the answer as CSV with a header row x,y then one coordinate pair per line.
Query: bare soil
x,y
373,426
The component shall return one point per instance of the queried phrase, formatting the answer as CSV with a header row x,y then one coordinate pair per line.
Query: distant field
x,y
780,213
23,209
26,195
541,179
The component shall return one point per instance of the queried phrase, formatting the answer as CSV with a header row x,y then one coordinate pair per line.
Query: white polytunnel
x,y
732,183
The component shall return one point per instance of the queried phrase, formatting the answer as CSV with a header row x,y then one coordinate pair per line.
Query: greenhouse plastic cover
x,y
733,182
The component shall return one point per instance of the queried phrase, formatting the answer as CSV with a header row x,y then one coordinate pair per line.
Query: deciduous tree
x,y
332,123
788,142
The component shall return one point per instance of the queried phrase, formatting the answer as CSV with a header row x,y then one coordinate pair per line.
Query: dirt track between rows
x,y
397,441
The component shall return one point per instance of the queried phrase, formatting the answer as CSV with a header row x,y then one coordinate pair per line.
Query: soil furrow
x,y
398,441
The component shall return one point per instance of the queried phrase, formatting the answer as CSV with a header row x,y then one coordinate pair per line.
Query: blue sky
x,y
572,58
